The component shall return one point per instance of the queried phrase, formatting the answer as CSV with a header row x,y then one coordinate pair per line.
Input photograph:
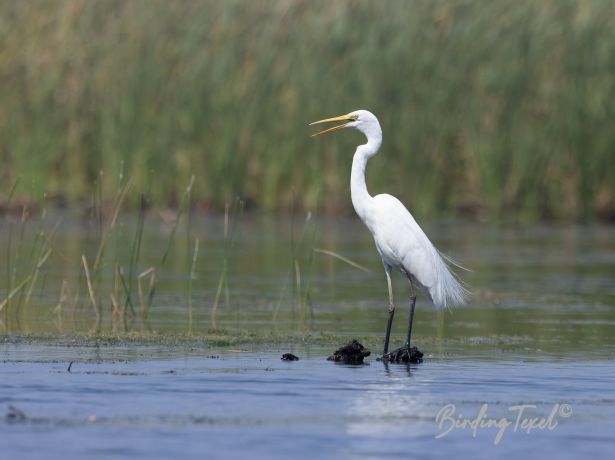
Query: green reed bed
x,y
495,109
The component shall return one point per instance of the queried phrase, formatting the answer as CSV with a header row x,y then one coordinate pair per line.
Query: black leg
x,y
412,304
389,323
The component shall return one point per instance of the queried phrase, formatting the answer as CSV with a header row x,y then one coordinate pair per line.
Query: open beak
x,y
346,118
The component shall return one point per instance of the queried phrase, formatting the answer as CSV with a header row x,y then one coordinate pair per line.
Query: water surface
x,y
538,331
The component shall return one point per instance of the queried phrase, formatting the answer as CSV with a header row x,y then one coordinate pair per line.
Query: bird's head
x,y
361,120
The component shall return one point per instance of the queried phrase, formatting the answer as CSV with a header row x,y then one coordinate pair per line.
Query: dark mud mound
x,y
351,353
289,357
14,415
403,355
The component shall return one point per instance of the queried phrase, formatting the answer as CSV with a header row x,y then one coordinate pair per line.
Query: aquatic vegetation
x,y
108,288
230,237
301,253
214,337
351,353
290,278
23,270
24,273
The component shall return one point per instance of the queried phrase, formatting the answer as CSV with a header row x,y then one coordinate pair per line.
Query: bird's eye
x,y
354,117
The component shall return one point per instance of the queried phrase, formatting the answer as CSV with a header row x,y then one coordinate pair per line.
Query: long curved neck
x,y
361,199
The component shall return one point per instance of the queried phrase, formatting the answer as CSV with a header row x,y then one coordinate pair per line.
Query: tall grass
x,y
23,270
231,230
30,256
496,108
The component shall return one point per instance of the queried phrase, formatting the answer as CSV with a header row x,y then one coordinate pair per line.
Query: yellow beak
x,y
346,118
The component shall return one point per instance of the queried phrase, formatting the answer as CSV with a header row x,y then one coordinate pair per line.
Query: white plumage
x,y
403,245
400,241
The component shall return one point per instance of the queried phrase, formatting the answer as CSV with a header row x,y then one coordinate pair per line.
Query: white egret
x,y
400,241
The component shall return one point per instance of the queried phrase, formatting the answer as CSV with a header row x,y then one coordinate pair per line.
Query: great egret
x,y
400,241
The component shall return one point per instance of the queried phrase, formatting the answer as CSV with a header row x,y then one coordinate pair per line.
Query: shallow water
x,y
161,403
539,330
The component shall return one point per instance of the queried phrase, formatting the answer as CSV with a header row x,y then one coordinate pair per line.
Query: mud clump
x,y
351,353
14,415
403,355
289,357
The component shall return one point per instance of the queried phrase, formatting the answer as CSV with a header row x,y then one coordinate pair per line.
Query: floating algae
x,y
289,357
351,353
403,355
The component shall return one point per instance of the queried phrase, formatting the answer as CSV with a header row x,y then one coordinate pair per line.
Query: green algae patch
x,y
212,338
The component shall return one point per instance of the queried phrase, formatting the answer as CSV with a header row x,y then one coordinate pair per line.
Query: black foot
x,y
404,355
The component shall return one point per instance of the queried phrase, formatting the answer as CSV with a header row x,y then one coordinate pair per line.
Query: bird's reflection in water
x,y
406,367
397,401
